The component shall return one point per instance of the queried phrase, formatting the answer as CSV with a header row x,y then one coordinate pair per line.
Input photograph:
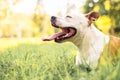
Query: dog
x,y
91,42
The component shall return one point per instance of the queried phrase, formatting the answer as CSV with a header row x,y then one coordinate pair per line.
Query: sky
x,y
51,7
54,6
24,6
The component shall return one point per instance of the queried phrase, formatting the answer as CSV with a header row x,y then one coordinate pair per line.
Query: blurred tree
x,y
42,20
5,12
3,9
109,11
18,24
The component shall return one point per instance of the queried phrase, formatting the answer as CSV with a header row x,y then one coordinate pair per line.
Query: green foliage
x,y
43,23
110,8
49,61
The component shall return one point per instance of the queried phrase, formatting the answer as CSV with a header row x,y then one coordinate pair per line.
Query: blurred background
x,y
31,18
24,56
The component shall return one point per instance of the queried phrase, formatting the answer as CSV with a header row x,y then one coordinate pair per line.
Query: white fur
x,y
89,40
90,46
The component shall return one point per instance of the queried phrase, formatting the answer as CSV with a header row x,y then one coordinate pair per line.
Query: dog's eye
x,y
68,16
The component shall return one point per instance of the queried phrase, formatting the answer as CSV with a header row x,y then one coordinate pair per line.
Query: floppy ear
x,y
92,16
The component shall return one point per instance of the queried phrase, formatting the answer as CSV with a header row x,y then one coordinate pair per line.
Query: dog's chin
x,y
54,25
67,32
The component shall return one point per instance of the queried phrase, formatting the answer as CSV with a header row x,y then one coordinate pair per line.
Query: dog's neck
x,y
90,44
90,37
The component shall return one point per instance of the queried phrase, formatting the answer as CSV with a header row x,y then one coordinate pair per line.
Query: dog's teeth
x,y
66,35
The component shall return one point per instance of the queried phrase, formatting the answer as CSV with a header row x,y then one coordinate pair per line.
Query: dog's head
x,y
71,25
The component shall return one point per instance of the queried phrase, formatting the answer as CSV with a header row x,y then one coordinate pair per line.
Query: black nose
x,y
53,18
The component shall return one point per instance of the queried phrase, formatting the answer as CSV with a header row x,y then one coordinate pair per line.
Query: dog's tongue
x,y
53,36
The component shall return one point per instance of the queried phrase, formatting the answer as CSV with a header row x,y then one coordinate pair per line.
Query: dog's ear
x,y
92,16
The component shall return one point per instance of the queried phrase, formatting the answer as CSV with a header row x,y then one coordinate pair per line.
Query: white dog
x,y
90,41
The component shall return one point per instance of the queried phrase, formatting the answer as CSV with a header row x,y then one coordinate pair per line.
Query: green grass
x,y
49,61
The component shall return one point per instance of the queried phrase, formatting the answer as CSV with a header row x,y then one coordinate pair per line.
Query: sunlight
x,y
50,7
24,6
56,6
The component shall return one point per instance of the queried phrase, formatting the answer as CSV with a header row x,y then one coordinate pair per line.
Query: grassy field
x,y
32,59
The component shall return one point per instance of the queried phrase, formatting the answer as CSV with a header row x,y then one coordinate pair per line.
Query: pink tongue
x,y
53,36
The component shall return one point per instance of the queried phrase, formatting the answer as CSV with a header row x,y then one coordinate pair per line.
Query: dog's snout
x,y
53,17
53,21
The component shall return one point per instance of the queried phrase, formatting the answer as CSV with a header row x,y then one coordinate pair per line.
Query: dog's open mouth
x,y
66,33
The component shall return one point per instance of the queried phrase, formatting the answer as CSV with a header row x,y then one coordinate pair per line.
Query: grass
x,y
35,60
